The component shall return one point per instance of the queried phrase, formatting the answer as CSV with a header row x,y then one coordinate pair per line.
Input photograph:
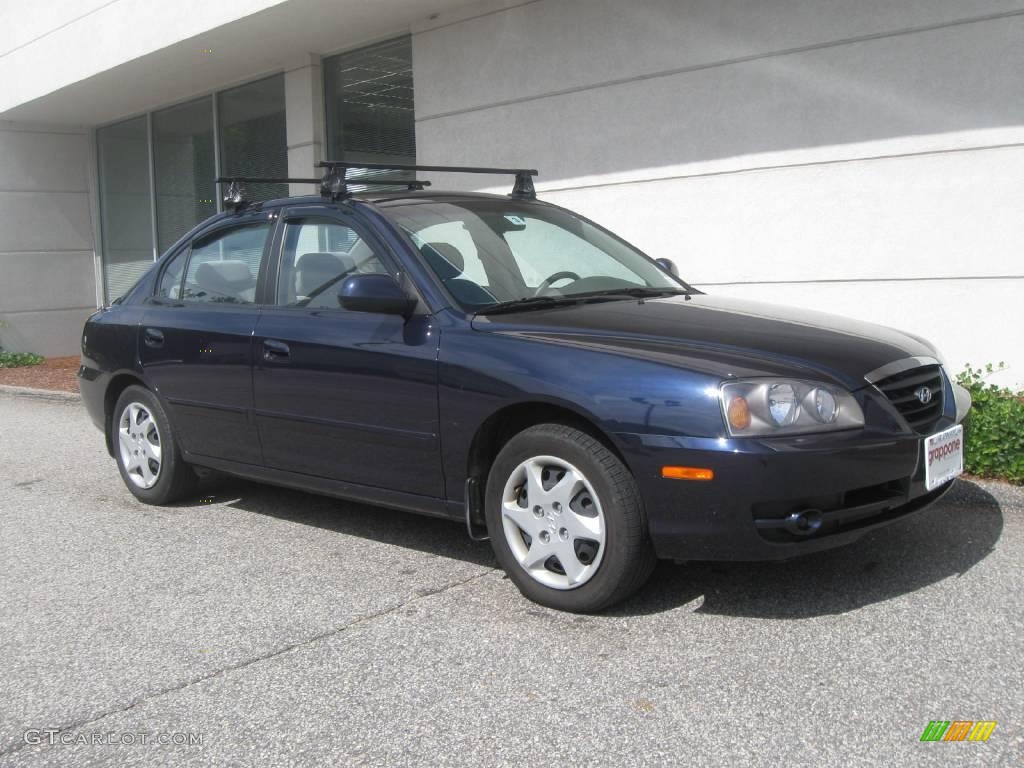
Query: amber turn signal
x,y
687,473
738,413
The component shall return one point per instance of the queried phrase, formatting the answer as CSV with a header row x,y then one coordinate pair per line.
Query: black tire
x,y
175,479
628,558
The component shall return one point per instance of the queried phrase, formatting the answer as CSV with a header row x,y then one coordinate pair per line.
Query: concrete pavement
x,y
289,629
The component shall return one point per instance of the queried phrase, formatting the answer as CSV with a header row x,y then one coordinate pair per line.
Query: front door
x,y
195,341
350,396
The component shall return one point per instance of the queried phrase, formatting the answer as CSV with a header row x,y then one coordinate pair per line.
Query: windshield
x,y
491,252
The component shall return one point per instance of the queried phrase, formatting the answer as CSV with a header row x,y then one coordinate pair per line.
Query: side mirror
x,y
668,265
379,294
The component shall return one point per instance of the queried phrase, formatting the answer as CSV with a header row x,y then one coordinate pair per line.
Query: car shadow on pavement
x,y
943,541
444,538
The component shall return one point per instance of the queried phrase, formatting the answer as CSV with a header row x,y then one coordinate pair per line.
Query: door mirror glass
x,y
380,294
668,265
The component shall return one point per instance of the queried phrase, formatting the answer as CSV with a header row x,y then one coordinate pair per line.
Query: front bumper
x,y
855,481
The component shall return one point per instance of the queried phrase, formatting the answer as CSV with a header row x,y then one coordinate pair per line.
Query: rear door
x,y
196,344
350,396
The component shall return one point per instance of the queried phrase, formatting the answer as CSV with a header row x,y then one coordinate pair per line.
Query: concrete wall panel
x,y
45,221
52,334
853,152
37,281
48,283
546,47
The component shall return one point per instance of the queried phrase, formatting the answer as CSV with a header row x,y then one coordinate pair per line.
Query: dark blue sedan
x,y
503,361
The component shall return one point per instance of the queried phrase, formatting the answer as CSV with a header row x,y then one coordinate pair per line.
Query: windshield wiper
x,y
527,302
609,294
639,292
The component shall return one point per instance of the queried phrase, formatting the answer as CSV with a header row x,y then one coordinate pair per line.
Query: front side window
x,y
318,255
489,252
224,267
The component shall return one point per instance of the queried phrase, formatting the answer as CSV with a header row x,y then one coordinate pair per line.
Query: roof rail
x,y
338,183
234,198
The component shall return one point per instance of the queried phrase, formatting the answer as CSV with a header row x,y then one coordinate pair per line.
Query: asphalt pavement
x,y
271,627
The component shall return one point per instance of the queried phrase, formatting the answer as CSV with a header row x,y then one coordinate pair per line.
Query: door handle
x,y
275,350
153,338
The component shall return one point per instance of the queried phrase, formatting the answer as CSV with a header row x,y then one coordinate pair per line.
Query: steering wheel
x,y
546,283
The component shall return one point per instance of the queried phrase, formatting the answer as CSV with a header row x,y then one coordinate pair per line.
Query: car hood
x,y
721,336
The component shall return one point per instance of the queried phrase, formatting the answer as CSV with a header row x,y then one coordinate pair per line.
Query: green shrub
x,y
994,437
18,359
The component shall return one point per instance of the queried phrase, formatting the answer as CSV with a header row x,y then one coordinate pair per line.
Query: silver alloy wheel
x,y
139,442
553,522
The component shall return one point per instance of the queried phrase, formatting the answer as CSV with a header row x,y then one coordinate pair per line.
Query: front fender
x,y
483,373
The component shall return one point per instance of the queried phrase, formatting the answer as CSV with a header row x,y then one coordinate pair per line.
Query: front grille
x,y
901,389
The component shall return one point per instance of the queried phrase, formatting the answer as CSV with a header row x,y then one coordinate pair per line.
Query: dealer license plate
x,y
943,457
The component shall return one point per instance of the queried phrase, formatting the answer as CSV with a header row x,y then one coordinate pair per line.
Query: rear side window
x,y
318,255
170,280
224,267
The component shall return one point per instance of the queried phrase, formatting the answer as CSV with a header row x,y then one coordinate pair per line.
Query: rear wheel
x,y
146,449
565,520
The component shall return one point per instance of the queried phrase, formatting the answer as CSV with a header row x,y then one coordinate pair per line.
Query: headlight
x,y
787,406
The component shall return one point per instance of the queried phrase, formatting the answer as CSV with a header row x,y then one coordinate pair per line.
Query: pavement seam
x,y
147,697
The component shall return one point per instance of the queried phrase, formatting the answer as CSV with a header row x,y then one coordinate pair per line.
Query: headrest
x,y
319,262
314,269
444,258
231,273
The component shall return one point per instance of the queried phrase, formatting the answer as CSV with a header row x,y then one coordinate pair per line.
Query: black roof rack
x,y
335,181
235,196
523,187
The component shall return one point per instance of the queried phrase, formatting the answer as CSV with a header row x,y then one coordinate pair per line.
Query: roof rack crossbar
x,y
272,180
235,196
523,187
335,181
431,168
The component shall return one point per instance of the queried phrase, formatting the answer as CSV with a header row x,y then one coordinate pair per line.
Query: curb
x,y
40,394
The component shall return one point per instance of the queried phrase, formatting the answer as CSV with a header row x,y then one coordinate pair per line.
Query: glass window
x,y
455,235
317,256
564,251
491,251
224,267
125,215
170,280
253,135
369,105
183,169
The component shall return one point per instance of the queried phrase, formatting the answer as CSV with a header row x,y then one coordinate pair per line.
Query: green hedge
x,y
995,429
18,359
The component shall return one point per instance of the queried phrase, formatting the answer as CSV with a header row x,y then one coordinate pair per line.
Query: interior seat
x,y
449,264
228,279
314,269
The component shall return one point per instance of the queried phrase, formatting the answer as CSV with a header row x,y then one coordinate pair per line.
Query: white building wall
x,y
47,274
35,38
861,158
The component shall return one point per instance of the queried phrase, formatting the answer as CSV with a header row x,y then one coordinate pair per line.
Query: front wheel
x,y
565,520
146,449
